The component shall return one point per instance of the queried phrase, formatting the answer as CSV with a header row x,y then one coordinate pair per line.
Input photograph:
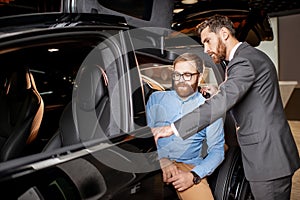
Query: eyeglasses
x,y
186,76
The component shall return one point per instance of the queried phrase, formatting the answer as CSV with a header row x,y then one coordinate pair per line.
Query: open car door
x,y
138,13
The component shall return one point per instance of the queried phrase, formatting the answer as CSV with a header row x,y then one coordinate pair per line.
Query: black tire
x,y
228,182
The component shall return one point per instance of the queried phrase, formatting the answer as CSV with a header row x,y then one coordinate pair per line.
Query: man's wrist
x,y
165,162
175,130
196,178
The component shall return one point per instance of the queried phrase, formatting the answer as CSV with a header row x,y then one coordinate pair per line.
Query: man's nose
x,y
181,79
206,50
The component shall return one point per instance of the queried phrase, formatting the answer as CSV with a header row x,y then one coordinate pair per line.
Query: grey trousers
x,y
277,189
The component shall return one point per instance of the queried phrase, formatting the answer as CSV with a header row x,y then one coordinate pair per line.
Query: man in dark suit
x,y
251,92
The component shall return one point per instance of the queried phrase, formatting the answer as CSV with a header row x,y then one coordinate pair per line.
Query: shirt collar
x,y
234,50
194,95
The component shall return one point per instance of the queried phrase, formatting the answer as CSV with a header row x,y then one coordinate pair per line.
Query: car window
x,y
54,62
16,7
161,72
135,8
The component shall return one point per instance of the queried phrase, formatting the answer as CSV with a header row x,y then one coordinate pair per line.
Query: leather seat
x,y
88,115
21,113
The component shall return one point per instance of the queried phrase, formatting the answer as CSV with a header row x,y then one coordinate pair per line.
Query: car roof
x,y
138,14
14,25
156,13
252,24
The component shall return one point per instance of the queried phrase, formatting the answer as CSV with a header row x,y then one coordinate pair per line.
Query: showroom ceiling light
x,y
189,1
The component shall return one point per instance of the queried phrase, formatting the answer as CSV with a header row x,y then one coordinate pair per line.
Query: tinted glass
x,y
53,61
137,8
15,7
161,72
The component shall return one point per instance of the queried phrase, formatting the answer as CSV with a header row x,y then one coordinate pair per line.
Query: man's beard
x,y
220,55
184,90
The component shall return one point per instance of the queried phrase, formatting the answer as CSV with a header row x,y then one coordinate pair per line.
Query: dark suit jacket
x,y
251,91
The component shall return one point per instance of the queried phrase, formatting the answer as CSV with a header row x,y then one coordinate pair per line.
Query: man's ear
x,y
224,33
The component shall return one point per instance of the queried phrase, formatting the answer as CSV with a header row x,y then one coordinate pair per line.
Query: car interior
x,y
91,95
22,110
94,86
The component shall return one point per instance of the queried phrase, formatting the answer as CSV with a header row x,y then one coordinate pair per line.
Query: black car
x,y
73,99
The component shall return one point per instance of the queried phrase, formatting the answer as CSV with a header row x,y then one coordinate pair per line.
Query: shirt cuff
x,y
175,130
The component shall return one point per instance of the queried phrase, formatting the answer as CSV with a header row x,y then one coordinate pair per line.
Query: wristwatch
x,y
196,179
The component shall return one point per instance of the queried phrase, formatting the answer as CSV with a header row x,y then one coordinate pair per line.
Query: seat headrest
x,y
3,83
19,82
91,87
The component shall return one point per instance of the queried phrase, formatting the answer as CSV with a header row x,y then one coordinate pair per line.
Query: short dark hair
x,y
193,58
215,23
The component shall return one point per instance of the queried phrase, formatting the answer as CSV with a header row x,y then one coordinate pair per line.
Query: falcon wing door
x,y
138,13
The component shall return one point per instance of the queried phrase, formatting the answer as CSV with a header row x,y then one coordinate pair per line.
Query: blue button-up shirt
x,y
164,108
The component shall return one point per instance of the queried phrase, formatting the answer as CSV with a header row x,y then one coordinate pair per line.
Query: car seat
x,y
22,110
88,115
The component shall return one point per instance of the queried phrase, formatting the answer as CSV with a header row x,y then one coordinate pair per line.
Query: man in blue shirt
x,y
182,159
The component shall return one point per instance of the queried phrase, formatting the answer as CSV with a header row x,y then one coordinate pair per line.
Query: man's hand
x,y
209,90
163,131
182,181
168,168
